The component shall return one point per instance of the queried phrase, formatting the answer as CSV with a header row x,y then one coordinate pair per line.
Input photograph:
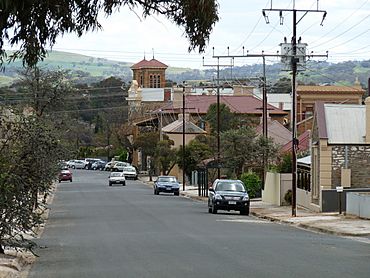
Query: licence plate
x,y
232,203
168,188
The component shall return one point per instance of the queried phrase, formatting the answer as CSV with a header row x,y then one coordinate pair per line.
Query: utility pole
x,y
160,126
183,139
294,63
218,113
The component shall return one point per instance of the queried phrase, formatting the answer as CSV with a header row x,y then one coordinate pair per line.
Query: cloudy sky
x,y
127,37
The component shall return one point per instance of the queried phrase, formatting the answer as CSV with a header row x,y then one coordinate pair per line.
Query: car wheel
x,y
176,193
156,192
59,181
73,167
70,180
214,209
110,184
209,208
124,184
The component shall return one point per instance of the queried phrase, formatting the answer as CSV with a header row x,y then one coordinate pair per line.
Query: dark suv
x,y
228,195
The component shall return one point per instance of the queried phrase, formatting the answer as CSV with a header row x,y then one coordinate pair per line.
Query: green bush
x,y
252,184
285,165
288,197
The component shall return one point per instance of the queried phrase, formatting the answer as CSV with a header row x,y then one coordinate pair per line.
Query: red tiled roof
x,y
237,104
329,89
153,63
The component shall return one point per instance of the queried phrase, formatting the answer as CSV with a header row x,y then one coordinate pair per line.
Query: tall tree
x,y
35,25
242,147
227,118
165,155
29,154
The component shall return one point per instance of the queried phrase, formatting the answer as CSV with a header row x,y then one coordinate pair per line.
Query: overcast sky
x,y
126,37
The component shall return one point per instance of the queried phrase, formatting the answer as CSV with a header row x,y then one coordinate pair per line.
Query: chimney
x,y
367,120
177,97
241,90
167,95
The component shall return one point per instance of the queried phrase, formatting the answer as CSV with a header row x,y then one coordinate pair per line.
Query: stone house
x,y
340,153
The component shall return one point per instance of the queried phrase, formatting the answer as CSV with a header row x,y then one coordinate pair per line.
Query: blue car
x,y
166,184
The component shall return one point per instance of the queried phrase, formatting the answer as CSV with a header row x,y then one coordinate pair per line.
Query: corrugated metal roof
x,y
345,124
305,160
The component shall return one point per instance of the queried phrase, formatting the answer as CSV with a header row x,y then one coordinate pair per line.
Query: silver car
x,y
117,178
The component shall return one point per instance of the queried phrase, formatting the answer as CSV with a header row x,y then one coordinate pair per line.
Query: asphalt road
x,y
125,231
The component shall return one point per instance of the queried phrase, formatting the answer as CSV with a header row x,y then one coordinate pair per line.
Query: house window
x,y
141,81
158,81
151,81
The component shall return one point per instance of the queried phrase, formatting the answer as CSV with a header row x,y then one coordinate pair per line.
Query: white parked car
x,y
130,172
117,177
78,164
118,166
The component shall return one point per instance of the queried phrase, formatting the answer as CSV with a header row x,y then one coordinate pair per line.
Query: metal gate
x,y
202,182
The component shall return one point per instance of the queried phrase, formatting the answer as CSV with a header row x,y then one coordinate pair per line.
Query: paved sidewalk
x,y
330,223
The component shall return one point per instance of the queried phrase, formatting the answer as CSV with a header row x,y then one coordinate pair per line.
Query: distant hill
x,y
86,69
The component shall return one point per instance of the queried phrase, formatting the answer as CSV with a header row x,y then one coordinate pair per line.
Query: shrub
x,y
252,183
288,197
285,165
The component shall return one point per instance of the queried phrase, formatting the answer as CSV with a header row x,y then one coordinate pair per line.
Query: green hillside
x,y
86,69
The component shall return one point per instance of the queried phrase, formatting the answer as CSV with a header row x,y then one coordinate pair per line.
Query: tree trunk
x,y
2,251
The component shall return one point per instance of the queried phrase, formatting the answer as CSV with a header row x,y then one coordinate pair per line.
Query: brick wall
x,y
358,162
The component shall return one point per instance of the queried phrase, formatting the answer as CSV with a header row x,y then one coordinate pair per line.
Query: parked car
x,y
65,175
130,172
89,162
109,165
228,195
119,165
167,184
70,163
98,165
117,177
78,164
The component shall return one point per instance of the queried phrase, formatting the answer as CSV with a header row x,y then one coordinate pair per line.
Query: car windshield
x,y
167,179
116,174
129,169
230,186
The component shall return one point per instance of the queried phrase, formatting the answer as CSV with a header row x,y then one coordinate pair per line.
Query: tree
x,y
195,152
43,90
147,142
227,118
29,155
165,155
237,148
35,25
243,147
